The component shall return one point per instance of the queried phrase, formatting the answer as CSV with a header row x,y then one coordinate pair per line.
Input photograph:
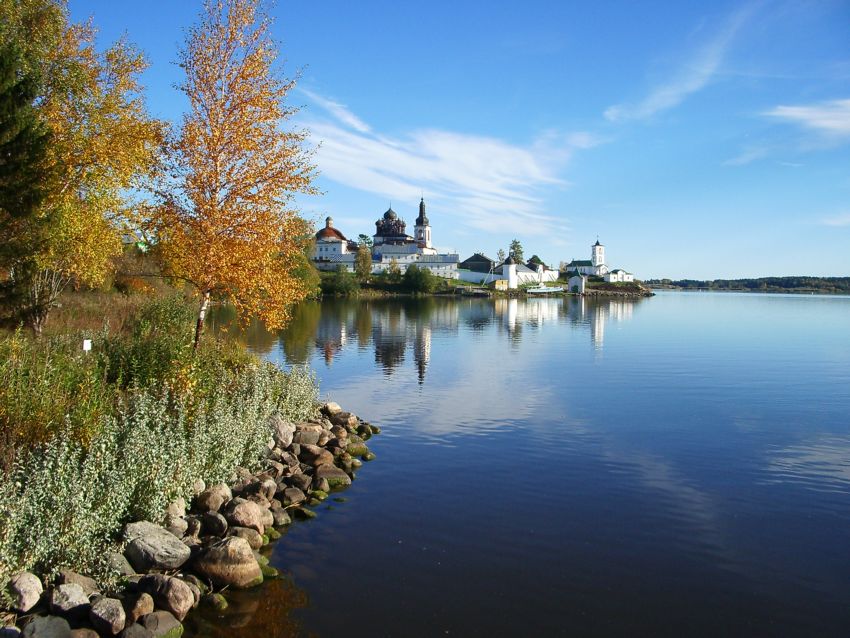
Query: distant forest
x,y
763,284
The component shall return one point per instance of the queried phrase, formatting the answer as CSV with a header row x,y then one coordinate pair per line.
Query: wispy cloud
x,y
693,77
481,179
842,219
339,111
747,156
829,119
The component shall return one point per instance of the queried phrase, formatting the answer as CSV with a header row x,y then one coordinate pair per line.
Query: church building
x,y
596,266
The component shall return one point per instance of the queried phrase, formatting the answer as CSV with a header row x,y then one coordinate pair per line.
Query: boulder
x,y
293,496
25,589
244,513
171,594
282,431
177,507
152,547
356,446
213,524
267,518
301,481
229,562
119,564
198,486
336,477
196,591
215,601
177,525
135,631
213,498
9,631
280,516
69,600
47,627
345,419
254,538
314,455
193,526
107,616
321,484
276,468
84,632
89,585
339,432
137,605
162,625
331,408
307,437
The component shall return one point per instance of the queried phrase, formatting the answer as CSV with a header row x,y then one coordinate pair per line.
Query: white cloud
x,y
703,66
842,219
478,178
831,119
338,111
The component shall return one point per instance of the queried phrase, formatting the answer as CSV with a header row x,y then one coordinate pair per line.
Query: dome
x,y
390,214
329,232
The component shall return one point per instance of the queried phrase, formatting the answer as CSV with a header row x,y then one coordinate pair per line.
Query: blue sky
x,y
694,139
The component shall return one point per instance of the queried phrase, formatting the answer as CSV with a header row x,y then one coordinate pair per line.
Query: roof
x,y
330,233
597,242
580,262
422,220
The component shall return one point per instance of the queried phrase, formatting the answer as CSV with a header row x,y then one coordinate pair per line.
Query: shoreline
x,y
204,548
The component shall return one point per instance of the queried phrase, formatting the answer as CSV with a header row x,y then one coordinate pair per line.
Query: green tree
x,y
24,170
515,251
363,262
500,255
418,279
536,261
365,239
393,272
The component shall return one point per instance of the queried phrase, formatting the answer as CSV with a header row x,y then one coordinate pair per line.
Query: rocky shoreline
x,y
203,550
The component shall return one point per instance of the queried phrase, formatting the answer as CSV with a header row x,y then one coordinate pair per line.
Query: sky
x,y
693,139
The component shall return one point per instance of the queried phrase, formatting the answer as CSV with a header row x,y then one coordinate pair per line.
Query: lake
x,y
670,466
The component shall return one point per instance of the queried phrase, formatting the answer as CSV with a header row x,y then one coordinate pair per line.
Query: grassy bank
x,y
92,440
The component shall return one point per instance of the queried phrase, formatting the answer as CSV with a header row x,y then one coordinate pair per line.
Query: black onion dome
x,y
422,220
390,214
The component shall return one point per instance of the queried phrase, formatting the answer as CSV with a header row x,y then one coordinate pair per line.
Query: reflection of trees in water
x,y
263,611
223,322
298,335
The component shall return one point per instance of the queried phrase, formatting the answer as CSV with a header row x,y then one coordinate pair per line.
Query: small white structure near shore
x,y
480,269
577,284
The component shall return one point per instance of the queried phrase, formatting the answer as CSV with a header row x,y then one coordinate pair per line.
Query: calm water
x,y
671,466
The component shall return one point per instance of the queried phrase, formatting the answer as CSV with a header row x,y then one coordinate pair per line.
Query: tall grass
x,y
113,436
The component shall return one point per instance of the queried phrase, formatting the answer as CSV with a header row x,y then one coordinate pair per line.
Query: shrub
x,y
340,283
419,279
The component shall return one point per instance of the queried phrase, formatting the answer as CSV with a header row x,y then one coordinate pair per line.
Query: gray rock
x,y
213,498
339,432
69,600
254,538
171,594
321,484
107,616
289,458
267,518
314,455
229,563
280,516
196,591
216,601
244,513
162,625
307,437
214,524
177,507
301,481
282,431
136,631
137,605
84,632
89,585
293,496
119,564
25,589
277,469
152,547
331,408
176,525
345,419
335,476
47,627
193,526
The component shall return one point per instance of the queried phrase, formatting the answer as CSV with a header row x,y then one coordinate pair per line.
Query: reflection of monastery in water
x,y
406,331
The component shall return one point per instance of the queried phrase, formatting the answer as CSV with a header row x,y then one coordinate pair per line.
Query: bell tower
x,y
598,254
422,230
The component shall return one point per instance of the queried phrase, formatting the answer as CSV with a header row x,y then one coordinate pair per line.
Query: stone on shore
x,y
107,616
213,498
69,601
153,547
89,585
244,513
229,562
216,601
135,631
171,594
315,455
281,517
254,538
25,589
162,625
293,496
176,525
282,431
47,627
336,477
84,632
213,524
119,564
331,408
138,605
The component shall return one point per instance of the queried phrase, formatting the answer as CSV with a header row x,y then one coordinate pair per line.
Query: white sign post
x,y
86,345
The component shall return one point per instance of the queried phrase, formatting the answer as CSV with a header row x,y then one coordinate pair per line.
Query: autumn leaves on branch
x,y
215,194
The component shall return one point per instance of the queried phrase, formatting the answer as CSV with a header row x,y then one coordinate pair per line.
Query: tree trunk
x,y
202,314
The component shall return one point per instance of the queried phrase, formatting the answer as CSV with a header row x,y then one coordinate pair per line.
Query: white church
x,y
596,266
390,245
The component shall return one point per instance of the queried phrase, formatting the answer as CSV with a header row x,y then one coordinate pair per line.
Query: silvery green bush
x,y
65,501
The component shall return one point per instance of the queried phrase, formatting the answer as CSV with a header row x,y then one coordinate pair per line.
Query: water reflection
x,y
403,330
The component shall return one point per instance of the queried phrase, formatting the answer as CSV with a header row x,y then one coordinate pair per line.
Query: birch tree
x,y
227,223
